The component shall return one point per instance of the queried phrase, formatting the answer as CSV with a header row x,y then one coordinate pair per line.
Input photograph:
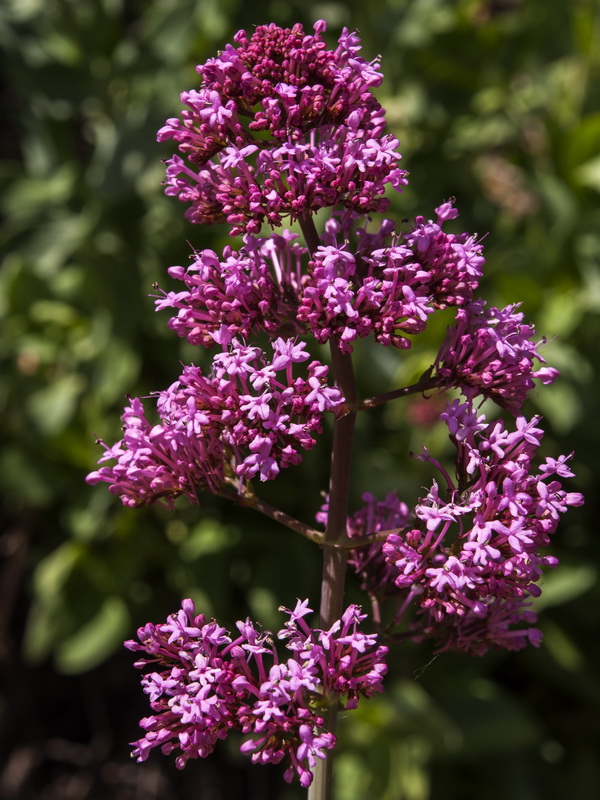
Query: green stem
x,y
334,558
252,501
425,383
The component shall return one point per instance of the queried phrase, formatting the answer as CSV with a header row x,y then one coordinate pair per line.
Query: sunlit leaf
x,y
97,639
53,407
565,584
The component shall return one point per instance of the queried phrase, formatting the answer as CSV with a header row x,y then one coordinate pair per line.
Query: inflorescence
x,y
282,125
206,684
249,417
281,128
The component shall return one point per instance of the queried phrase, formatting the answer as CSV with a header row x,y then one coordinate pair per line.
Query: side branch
x,y
425,383
364,541
251,501
344,545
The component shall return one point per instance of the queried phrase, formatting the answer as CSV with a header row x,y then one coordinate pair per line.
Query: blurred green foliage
x,y
496,103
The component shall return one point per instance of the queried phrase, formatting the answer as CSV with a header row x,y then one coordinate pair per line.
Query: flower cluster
x,y
386,286
249,417
282,125
389,291
473,560
245,290
206,683
376,574
491,353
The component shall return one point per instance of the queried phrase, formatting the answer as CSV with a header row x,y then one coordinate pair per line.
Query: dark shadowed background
x,y
495,102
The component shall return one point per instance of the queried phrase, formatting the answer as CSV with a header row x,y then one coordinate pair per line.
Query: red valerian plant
x,y
283,127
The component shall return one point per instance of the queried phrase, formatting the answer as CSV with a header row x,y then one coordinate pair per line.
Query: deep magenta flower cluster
x,y
282,126
205,684
249,417
492,353
246,290
468,559
388,286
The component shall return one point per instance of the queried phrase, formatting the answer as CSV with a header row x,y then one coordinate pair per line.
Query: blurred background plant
x,y
495,102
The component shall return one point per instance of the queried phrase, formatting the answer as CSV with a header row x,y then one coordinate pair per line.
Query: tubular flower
x,y
282,125
241,292
492,353
473,561
388,289
249,417
206,683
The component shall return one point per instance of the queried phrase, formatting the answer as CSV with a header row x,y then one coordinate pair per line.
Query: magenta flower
x,y
387,286
492,353
207,683
473,559
249,417
281,125
245,290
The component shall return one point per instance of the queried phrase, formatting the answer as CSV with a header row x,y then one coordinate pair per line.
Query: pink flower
x,y
492,353
206,683
281,125
472,557
389,285
225,427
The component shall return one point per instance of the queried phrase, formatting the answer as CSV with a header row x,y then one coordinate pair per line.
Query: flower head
x,y
471,557
282,125
249,417
206,683
388,285
237,293
492,353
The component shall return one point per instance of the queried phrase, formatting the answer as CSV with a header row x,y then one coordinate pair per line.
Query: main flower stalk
x,y
334,559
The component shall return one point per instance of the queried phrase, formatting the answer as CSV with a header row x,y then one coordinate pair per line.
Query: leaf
x,y
52,408
207,538
562,647
560,403
30,196
588,174
54,571
46,623
565,584
49,617
117,370
92,643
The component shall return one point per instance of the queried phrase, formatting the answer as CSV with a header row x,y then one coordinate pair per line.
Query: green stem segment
x,y
334,559
425,383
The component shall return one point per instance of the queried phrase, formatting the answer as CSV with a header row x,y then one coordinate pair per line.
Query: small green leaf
x,y
566,584
52,408
588,174
207,538
54,571
99,637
